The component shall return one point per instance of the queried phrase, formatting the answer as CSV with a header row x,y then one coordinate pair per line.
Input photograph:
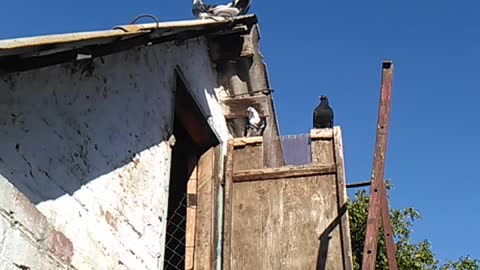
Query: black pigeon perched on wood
x,y
230,10
323,114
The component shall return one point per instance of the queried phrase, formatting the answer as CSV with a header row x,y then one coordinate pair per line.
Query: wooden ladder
x,y
378,206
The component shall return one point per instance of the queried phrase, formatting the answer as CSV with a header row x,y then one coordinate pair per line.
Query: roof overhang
x,y
33,52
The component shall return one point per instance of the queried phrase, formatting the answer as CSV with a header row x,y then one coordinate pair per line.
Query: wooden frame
x,y
258,199
202,186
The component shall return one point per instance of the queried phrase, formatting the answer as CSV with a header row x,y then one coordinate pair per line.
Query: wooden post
x,y
227,217
191,219
204,252
342,199
378,199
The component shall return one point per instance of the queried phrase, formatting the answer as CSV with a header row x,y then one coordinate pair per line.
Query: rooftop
x,y
47,50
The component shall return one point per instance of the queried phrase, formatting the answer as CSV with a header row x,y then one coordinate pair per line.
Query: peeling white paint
x,y
88,143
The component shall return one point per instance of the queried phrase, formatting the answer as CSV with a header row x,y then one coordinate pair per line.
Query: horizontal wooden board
x,y
241,142
323,133
282,172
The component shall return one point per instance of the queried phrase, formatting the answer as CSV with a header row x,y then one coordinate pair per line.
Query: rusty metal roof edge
x,y
120,31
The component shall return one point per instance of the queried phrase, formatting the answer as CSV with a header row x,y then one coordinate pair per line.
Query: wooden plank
x,y
237,107
322,151
342,200
248,157
242,142
285,224
204,234
323,133
388,230
215,205
191,220
282,172
227,216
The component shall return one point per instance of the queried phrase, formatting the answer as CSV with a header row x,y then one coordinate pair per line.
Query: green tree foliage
x,y
410,256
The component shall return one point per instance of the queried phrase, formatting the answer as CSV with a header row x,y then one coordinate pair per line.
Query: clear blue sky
x,y
336,48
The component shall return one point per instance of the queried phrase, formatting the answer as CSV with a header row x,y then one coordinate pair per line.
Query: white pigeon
x,y
255,123
230,10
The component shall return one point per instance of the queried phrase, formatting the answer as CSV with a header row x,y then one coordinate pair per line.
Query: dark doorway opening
x,y
193,138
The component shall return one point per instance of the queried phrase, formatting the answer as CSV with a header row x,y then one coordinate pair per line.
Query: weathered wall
x,y
27,240
87,143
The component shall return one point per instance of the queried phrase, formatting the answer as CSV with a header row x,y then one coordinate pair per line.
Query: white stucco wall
x,y
87,145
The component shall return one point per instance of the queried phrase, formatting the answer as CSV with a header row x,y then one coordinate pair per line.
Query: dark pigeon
x,y
323,114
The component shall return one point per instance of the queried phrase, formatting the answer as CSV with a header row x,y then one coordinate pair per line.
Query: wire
x,y
265,91
137,18
146,16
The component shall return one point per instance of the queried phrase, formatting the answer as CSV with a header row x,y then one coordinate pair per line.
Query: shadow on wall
x,y
64,126
325,237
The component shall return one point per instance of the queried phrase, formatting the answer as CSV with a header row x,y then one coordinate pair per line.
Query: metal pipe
x,y
361,184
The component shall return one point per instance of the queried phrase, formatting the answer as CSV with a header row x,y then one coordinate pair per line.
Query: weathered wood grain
x,y
191,220
248,157
244,141
342,199
291,217
227,216
204,229
323,133
282,172
281,224
322,151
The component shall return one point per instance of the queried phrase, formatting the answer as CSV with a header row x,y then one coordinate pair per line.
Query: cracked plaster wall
x,y
86,143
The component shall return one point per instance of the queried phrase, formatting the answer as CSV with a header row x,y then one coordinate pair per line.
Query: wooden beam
x,y
282,172
237,107
227,219
388,230
378,183
204,253
191,219
242,142
321,134
342,200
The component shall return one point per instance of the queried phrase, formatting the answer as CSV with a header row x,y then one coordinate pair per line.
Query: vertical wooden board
x,y
310,231
342,200
215,203
322,151
248,157
204,234
191,219
256,217
227,217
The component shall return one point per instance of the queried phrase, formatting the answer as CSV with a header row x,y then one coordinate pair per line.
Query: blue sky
x,y
336,49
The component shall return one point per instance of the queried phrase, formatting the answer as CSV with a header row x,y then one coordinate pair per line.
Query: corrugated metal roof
x,y
161,32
